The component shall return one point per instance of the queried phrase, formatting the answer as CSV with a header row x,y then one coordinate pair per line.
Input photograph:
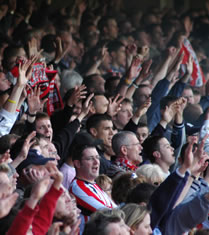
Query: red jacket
x,y
40,217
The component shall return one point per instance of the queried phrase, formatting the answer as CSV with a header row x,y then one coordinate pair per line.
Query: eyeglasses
x,y
91,158
133,144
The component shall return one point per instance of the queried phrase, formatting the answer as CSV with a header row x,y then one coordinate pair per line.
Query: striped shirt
x,y
90,197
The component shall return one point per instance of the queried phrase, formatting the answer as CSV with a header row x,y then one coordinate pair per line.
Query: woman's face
x,y
144,227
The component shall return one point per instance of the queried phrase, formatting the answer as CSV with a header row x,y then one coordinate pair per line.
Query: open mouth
x,y
95,168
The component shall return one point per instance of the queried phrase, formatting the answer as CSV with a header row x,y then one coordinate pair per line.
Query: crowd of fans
x,y
104,119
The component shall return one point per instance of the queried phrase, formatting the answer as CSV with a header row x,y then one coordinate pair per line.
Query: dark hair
x,y
141,193
95,119
166,101
90,82
150,145
122,185
141,124
114,45
47,43
104,22
4,144
42,115
77,152
183,150
100,220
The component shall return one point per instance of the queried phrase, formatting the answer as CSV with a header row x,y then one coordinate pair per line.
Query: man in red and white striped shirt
x,y
90,197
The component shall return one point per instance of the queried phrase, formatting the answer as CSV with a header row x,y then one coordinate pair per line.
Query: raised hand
x,y
35,103
55,174
200,158
59,50
144,51
29,141
167,114
145,72
5,157
7,203
141,110
40,188
75,230
190,65
86,107
131,49
23,68
135,68
114,105
78,94
144,107
55,228
34,176
180,105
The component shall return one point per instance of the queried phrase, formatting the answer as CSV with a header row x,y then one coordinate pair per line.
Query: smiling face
x,y
44,127
88,167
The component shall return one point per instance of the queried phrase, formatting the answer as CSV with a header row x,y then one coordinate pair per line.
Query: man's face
x,y
101,104
66,41
88,166
112,28
12,60
106,62
124,115
4,82
66,206
188,94
104,131
142,133
53,152
44,127
142,94
43,144
120,57
118,228
134,150
166,152
5,184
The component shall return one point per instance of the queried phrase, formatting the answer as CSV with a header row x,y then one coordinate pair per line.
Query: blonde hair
x,y
134,214
102,179
152,172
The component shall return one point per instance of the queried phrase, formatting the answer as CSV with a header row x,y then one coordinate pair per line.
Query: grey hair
x,y
120,139
69,79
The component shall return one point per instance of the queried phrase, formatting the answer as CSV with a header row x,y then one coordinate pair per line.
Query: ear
x,y
92,109
156,154
123,150
93,131
77,164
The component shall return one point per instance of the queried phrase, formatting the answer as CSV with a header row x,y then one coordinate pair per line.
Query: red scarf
x,y
125,164
45,78
198,78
